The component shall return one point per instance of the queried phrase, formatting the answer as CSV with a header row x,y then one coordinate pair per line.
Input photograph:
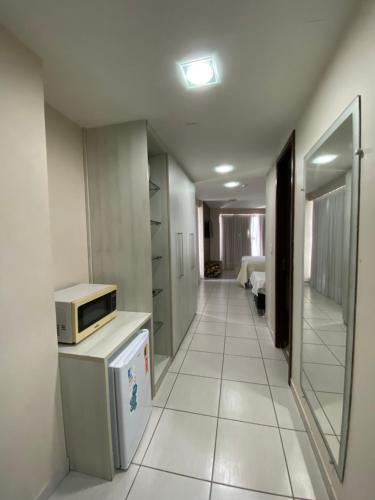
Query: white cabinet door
x,y
183,253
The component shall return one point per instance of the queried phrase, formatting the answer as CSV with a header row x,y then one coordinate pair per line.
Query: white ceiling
x,y
108,61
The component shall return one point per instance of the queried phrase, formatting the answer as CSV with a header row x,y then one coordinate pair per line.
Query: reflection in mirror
x,y
331,211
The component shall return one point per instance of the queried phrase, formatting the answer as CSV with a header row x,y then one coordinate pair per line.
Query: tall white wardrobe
x,y
183,231
142,231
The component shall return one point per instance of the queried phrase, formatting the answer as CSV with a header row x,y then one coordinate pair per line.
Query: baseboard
x,y
325,475
53,483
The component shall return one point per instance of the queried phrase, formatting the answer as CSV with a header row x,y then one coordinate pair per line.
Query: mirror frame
x,y
353,109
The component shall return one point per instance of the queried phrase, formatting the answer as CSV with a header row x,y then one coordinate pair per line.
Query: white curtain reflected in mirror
x,y
331,213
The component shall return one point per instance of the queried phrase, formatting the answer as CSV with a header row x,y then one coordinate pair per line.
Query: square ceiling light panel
x,y
200,72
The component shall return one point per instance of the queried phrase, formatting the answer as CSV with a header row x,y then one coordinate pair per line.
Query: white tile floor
x,y
224,424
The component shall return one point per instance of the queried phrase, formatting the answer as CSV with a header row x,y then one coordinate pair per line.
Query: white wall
x,y
32,447
66,200
270,247
351,72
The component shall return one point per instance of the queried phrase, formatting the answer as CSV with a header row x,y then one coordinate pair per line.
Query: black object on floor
x,y
260,302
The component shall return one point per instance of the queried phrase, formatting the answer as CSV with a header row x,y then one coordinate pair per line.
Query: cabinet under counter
x,y
86,395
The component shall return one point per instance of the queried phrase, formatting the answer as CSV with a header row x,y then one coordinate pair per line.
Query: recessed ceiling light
x,y
323,159
200,72
224,169
231,184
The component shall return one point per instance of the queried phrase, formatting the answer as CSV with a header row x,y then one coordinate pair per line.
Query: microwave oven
x,y
82,309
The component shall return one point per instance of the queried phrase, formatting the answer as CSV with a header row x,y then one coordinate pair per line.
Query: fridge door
x,y
130,383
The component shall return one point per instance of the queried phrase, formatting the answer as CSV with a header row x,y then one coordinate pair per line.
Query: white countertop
x,y
108,339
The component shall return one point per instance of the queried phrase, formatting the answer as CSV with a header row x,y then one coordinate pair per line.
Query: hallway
x,y
147,145
224,424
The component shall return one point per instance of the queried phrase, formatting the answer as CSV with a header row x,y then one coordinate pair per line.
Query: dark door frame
x,y
285,184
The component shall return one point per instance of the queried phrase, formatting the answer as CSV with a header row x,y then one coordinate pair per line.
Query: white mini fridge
x,y
130,388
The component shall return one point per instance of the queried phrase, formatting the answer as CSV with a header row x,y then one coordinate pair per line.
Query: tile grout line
x,y
143,457
174,383
218,413
220,400
157,424
217,419
324,343
175,380
243,355
231,379
134,479
279,431
333,353
182,362
323,364
154,431
320,405
242,421
241,488
312,388
153,434
325,392
163,408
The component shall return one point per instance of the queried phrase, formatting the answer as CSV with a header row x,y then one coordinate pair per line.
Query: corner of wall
x,y
32,442
67,199
54,482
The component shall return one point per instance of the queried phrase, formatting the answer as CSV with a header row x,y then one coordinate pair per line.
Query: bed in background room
x,y
249,265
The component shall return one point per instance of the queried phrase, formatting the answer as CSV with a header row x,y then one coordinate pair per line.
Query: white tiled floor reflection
x,y
324,351
225,425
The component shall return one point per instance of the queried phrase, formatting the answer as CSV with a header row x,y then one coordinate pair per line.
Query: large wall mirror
x,y
332,170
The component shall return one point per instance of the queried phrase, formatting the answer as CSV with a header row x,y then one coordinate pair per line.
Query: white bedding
x,y
249,265
258,281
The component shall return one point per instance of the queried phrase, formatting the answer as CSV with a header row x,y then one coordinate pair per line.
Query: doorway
x,y
200,240
285,167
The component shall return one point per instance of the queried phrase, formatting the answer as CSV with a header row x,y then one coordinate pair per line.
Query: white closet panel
x,y
183,251
119,207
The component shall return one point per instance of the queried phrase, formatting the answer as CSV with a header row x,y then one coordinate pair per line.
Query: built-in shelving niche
x,y
161,293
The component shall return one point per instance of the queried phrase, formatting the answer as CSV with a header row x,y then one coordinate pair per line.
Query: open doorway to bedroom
x,y
242,236
228,240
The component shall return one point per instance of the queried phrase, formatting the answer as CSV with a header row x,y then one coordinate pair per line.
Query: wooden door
x,y
284,248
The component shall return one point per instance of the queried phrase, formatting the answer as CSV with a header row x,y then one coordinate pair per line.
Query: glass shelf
x,y
155,222
156,291
153,188
157,326
157,257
